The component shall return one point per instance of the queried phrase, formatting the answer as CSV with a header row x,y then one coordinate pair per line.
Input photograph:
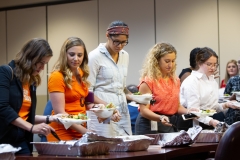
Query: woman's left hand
x,y
116,116
54,118
192,109
230,104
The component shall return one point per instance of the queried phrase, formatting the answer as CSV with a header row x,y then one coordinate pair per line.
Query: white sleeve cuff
x,y
205,120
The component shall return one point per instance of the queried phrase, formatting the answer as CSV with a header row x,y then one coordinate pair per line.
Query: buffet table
x,y
153,152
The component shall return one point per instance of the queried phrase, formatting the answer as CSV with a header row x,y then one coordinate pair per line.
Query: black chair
x,y
229,145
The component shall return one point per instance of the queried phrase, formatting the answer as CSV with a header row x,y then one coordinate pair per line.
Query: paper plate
x,y
201,113
142,99
103,113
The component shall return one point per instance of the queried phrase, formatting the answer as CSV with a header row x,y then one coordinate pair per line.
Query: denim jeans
x,y
20,141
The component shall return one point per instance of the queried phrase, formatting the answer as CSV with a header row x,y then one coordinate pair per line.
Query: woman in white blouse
x,y
200,90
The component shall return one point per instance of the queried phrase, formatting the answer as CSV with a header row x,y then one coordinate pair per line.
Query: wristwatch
x,y
47,119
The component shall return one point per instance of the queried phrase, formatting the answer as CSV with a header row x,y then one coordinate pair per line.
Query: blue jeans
x,y
24,148
21,142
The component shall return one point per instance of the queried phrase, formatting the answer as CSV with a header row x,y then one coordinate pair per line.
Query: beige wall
x,y
192,23
229,32
74,19
184,23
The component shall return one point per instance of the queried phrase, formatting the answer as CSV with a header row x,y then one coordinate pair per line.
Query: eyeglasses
x,y
211,64
116,43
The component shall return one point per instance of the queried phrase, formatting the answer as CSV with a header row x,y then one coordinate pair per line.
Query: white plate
x,y
98,109
72,120
225,96
237,93
142,99
103,113
201,114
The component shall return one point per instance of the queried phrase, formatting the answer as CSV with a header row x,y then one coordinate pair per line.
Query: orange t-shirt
x,y
72,103
26,105
166,95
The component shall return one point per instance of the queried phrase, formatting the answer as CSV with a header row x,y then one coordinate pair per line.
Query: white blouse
x,y
200,91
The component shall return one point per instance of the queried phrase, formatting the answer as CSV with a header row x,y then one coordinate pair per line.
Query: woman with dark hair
x,y
19,80
200,90
108,65
68,87
187,71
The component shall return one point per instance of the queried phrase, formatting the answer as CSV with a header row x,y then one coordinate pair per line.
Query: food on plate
x,y
137,93
208,111
110,105
78,116
226,94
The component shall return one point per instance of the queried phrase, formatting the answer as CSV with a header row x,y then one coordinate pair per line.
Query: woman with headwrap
x,y
108,65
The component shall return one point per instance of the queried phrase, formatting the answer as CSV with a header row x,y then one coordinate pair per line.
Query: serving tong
x,y
55,135
175,127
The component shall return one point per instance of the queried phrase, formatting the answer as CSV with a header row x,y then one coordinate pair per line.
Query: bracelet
x,y
31,129
47,119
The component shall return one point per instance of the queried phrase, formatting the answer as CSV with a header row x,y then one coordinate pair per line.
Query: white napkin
x,y
5,148
142,99
67,122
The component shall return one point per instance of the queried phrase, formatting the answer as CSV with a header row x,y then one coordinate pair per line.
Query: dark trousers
x,y
143,126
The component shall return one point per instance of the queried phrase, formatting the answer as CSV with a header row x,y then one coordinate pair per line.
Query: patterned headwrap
x,y
118,30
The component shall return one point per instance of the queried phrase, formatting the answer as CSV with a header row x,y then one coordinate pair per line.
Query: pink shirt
x,y
166,94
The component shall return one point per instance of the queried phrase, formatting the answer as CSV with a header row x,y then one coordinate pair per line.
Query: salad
x,y
78,116
110,105
208,111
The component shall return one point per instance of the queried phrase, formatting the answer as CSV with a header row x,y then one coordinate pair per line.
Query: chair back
x,y
229,145
47,111
48,108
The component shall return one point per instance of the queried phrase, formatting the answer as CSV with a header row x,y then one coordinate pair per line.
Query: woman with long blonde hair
x,y
159,79
231,70
68,86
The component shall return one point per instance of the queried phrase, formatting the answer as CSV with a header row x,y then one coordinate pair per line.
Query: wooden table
x,y
153,152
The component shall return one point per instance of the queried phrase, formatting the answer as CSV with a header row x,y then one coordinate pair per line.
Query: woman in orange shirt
x,y
158,78
68,87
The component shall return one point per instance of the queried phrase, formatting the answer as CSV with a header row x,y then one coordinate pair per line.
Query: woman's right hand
x,y
42,128
214,122
165,120
116,116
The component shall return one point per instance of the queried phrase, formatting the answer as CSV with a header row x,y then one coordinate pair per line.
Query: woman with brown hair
x,y
19,80
200,90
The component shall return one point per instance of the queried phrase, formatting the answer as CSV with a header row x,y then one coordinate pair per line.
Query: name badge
x,y
154,126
